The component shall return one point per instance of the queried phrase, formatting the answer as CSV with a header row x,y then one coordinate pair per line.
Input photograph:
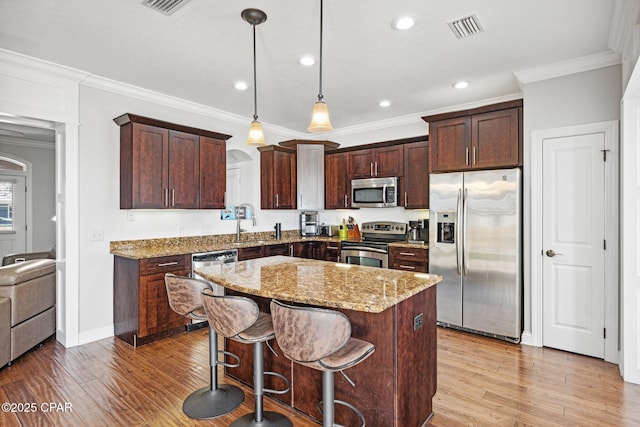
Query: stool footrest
x,y
282,377
226,364
348,405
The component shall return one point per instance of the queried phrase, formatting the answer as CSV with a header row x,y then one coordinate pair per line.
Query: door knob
x,y
550,253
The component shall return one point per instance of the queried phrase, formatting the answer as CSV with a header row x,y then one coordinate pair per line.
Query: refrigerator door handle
x,y
457,237
465,267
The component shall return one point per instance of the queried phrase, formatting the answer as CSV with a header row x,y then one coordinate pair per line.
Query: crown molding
x,y
40,65
623,22
137,92
565,68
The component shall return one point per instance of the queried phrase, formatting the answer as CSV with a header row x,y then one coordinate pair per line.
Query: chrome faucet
x,y
244,211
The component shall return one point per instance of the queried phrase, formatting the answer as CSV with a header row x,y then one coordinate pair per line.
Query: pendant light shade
x,y
256,134
320,116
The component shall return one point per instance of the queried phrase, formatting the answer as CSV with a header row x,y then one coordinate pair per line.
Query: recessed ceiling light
x,y
461,84
384,103
404,22
241,86
307,60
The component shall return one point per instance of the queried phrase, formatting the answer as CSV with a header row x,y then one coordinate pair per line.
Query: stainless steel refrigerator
x,y
475,243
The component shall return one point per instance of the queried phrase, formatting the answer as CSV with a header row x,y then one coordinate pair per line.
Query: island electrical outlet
x,y
418,321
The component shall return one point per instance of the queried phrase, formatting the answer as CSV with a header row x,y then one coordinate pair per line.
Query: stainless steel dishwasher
x,y
207,259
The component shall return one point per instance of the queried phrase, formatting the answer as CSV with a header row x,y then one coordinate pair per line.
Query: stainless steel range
x,y
373,249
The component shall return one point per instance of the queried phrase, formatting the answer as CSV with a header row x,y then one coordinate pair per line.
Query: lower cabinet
x,y
332,251
409,259
277,249
251,252
141,308
311,250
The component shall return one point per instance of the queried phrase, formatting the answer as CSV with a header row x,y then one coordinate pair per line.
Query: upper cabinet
x,y
415,183
376,162
310,181
482,138
337,182
169,166
277,177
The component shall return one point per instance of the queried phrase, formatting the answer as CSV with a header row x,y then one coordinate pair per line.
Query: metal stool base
x,y
269,419
207,403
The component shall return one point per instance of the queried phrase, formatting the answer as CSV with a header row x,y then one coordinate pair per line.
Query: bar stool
x,y
239,318
185,298
320,339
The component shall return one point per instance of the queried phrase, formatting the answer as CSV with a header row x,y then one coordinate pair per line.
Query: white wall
x,y
42,191
586,97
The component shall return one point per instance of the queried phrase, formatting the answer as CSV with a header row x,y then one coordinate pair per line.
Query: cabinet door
x,y
252,252
332,251
150,166
309,250
416,176
337,181
388,161
361,163
277,180
495,139
450,144
310,176
278,249
213,173
155,313
184,165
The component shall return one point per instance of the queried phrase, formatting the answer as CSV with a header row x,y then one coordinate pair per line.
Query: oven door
x,y
362,255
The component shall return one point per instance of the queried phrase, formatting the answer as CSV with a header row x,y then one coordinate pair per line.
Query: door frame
x,y
611,202
28,175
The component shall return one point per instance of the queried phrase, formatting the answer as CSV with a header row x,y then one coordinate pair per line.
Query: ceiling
x,y
201,50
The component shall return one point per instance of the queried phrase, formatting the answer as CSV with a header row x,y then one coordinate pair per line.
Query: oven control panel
x,y
385,231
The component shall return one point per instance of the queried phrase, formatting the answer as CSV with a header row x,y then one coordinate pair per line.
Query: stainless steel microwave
x,y
374,192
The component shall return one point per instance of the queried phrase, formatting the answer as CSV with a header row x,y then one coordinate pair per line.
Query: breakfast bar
x,y
394,310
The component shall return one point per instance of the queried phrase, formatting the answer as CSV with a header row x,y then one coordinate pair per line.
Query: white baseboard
x,y
527,339
95,335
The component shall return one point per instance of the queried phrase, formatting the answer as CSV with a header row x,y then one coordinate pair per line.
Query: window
x,y
7,190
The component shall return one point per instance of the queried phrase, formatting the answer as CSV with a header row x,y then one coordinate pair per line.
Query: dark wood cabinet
x,y
377,162
415,182
251,252
487,137
332,251
312,249
337,192
213,173
140,304
277,249
410,259
277,177
161,165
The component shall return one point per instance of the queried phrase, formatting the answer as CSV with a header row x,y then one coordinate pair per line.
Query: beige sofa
x,y
27,306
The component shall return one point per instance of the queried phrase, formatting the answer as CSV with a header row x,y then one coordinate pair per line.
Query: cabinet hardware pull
x,y
276,200
466,153
166,264
166,196
173,197
346,201
408,267
371,169
332,247
406,203
376,169
474,155
407,253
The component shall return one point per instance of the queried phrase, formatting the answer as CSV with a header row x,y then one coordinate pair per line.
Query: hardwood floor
x,y
481,382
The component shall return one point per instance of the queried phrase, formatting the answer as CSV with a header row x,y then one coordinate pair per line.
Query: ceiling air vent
x,y
165,6
466,27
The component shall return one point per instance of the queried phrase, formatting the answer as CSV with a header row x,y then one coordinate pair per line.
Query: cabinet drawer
x,y
280,249
164,264
417,266
249,253
409,259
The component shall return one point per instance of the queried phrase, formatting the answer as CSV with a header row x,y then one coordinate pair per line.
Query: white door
x,y
573,228
13,215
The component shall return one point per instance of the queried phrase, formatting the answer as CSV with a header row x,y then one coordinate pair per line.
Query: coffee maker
x,y
419,231
309,223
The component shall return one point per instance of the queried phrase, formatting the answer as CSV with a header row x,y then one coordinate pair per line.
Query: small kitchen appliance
x,y
329,230
419,231
309,223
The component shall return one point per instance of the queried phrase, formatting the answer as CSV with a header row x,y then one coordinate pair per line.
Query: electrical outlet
x,y
96,235
180,230
418,321
131,216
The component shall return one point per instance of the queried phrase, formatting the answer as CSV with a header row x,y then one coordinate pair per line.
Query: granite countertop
x,y
153,248
320,283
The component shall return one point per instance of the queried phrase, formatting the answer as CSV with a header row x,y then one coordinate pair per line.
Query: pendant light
x,y
256,134
320,115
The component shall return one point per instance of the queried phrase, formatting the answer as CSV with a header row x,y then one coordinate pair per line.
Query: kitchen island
x,y
394,310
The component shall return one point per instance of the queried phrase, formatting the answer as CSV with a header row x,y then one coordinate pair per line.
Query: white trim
x,y
612,284
28,174
27,143
565,68
95,335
